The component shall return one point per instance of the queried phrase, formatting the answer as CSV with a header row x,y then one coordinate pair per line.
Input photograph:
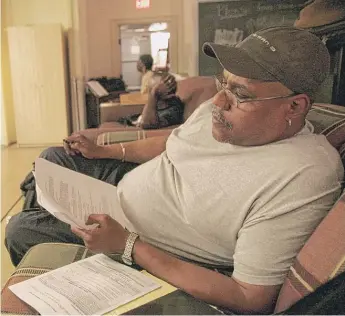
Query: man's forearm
x,y
139,151
202,283
149,114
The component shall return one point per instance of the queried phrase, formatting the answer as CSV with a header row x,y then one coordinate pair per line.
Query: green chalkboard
x,y
228,22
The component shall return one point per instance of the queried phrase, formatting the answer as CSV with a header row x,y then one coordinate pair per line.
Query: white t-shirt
x,y
248,207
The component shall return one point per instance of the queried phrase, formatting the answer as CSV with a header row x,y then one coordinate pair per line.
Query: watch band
x,y
127,254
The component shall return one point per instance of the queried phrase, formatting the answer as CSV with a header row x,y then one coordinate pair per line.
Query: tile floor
x,y
15,164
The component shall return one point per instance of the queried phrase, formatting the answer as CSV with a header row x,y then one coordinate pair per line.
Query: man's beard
x,y
219,116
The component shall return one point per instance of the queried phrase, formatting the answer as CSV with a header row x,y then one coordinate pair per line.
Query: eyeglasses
x,y
235,100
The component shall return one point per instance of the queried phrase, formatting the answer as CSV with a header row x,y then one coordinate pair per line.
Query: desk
x,y
112,111
93,106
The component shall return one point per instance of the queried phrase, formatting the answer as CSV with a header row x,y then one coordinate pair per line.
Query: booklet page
x,y
72,197
95,285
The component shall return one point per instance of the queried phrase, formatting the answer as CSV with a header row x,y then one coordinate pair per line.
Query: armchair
x,y
321,259
192,91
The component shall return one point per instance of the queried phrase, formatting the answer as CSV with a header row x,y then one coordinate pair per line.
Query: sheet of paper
x,y
72,197
97,88
165,289
95,285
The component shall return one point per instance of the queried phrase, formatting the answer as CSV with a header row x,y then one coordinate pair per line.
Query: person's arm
x,y
208,285
205,284
149,116
138,151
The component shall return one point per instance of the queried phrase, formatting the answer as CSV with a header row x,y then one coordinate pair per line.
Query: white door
x,y
39,84
133,45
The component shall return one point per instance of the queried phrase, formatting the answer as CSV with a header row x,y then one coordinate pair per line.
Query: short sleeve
x,y
275,231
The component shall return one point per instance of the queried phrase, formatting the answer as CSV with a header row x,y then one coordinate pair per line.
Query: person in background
x,y
320,12
144,66
164,108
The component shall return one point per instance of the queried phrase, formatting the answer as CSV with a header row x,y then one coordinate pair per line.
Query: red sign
x,y
142,4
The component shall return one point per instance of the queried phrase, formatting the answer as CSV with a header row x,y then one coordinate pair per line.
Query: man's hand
x,y
108,237
205,284
164,87
77,143
159,89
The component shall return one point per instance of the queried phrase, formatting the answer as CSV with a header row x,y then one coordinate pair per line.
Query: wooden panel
x,y
133,98
39,85
52,80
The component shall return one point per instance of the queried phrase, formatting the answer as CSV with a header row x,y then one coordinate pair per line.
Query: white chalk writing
x,y
228,37
269,20
262,7
224,12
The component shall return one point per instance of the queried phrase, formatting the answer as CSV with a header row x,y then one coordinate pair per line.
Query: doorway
x,y
139,39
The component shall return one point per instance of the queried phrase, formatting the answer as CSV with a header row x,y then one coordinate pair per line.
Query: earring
x,y
289,122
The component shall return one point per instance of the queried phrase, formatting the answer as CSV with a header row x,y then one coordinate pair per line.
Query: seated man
x,y
164,108
237,189
321,12
144,66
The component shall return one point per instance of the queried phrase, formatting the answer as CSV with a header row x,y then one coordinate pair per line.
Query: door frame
x,y
115,36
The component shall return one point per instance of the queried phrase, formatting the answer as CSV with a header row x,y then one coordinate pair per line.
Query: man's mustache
x,y
217,113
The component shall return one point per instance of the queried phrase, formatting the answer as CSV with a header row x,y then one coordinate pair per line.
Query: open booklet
x,y
72,197
95,285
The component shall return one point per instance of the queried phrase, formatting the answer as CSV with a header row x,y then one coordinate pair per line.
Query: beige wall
x,y
41,11
190,37
103,17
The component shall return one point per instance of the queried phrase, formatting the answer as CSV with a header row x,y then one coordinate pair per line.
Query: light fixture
x,y
155,27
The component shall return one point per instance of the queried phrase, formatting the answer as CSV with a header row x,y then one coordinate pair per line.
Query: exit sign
x,y
142,4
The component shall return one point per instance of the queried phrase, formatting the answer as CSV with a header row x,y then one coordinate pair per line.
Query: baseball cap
x,y
294,57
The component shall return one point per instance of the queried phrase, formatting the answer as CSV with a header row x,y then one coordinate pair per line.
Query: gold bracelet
x,y
123,152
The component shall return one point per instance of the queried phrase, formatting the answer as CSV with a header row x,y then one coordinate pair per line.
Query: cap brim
x,y
237,61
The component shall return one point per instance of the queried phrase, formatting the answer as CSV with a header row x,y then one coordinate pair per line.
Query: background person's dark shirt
x,y
169,112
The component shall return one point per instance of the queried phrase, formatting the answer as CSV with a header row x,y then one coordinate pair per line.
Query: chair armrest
x,y
112,135
111,112
108,137
93,133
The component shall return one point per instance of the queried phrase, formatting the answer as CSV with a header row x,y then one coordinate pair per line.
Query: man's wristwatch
x,y
127,254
